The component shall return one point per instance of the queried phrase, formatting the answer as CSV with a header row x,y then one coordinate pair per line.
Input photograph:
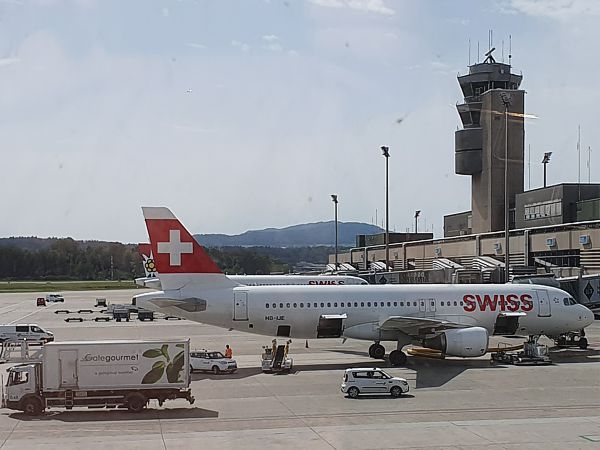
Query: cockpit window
x,y
568,301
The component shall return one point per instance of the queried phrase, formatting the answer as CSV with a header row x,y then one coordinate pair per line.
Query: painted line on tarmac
x,y
26,315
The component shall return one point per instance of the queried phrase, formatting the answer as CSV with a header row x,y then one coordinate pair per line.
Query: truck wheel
x,y
583,343
136,402
353,392
216,370
396,391
32,406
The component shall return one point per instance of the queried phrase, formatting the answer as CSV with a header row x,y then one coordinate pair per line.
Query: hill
x,y
304,235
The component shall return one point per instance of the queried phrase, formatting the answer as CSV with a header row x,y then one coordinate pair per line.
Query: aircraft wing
x,y
417,326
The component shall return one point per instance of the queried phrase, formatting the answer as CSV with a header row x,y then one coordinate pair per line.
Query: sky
x,y
249,114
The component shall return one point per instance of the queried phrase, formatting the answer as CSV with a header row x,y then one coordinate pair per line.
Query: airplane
x,y
456,319
151,280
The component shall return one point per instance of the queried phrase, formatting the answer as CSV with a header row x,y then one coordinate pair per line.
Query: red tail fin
x,y
173,247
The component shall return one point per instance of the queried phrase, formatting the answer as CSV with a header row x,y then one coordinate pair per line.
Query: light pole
x,y
417,214
334,198
386,153
545,161
506,101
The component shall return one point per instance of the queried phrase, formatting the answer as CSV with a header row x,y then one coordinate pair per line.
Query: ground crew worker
x,y
228,352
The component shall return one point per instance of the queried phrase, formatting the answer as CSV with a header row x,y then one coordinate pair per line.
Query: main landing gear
x,y
397,357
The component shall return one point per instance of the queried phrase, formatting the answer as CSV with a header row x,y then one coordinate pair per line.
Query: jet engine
x,y
465,342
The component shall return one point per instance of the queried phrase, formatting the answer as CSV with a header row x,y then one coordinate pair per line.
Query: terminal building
x,y
554,229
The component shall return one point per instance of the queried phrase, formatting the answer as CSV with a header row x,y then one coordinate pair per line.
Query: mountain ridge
x,y
301,235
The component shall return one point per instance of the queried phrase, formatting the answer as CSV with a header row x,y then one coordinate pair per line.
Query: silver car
x,y
372,381
214,362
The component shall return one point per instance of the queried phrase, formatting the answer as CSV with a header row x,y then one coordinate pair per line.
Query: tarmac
x,y
452,403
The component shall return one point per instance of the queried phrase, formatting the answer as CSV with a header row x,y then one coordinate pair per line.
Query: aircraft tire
x,y
583,343
377,351
397,358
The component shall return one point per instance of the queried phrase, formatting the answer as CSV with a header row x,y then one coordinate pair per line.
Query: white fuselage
x,y
273,280
298,309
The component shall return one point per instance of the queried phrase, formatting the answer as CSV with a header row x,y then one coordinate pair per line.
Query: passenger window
x,y
335,305
308,305
329,304
322,305
401,303
301,305
455,304
342,304
287,305
274,305
281,305
414,303
396,303
362,304
267,306
314,305
22,328
356,304
295,305
375,304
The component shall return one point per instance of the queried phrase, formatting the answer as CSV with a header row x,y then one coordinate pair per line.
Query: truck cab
x,y
22,391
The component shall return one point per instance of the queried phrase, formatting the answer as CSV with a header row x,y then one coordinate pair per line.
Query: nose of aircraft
x,y
585,316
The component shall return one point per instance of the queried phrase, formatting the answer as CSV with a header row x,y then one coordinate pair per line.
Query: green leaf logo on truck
x,y
173,368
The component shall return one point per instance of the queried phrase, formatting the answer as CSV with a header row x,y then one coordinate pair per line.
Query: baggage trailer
x,y
101,374
533,354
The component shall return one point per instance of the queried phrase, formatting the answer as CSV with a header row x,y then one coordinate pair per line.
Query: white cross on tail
x,y
175,247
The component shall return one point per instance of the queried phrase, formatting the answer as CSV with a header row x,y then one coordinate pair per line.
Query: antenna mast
x,y
529,167
579,163
509,49
589,164
469,51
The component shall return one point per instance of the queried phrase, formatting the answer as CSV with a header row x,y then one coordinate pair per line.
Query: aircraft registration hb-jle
x,y
454,319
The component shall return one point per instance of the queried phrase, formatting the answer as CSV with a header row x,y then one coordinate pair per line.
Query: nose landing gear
x,y
377,351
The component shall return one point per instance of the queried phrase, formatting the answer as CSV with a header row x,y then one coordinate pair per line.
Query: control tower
x,y
480,145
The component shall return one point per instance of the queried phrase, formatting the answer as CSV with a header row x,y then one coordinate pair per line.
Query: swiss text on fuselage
x,y
501,302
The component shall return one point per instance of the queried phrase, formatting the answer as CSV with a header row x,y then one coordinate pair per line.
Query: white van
x,y
25,332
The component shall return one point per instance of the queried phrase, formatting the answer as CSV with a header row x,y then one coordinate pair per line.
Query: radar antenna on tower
x,y
489,58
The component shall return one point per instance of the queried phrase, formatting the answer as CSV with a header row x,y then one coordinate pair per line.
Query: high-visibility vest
x,y
228,353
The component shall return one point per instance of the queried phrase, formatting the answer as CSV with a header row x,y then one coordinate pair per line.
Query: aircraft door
x,y
68,368
240,306
543,303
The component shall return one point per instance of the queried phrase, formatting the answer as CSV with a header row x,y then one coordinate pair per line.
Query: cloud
x,y
553,9
241,45
196,45
270,38
165,12
372,6
274,47
8,61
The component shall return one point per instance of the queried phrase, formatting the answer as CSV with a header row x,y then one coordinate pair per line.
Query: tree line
x,y
67,259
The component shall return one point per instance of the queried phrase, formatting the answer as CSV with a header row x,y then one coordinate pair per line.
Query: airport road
x,y
452,404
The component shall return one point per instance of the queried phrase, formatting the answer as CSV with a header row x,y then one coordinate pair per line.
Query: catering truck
x,y
97,374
